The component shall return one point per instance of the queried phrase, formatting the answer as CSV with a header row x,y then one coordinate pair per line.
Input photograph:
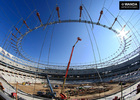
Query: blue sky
x,y
64,34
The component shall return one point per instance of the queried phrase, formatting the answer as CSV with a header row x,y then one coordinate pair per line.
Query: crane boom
x,y
61,94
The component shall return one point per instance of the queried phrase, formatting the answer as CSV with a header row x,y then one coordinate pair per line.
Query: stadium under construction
x,y
74,50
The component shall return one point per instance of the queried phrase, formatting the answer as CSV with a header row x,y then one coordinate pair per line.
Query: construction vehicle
x,y
51,94
63,96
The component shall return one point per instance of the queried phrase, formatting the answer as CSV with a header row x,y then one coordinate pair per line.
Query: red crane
x,y
63,96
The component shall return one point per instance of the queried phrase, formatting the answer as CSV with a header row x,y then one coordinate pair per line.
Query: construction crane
x,y
63,96
52,93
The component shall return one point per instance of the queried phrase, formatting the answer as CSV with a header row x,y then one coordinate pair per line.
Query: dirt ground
x,y
90,91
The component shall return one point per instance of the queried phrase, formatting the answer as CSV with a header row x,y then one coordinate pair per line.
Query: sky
x,y
53,44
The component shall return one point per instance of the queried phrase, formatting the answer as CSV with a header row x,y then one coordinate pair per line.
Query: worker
x,y
138,88
116,98
1,87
